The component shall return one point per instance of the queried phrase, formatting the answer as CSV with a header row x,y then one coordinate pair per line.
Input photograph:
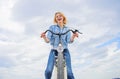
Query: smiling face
x,y
59,18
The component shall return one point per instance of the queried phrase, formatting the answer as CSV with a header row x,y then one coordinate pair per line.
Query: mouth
x,y
59,19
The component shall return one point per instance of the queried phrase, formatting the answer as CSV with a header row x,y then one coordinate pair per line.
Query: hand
x,y
43,35
75,34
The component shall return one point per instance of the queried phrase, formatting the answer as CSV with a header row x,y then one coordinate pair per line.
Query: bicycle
x,y
60,59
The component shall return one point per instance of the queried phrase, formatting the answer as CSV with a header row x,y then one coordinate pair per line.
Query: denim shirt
x,y
54,39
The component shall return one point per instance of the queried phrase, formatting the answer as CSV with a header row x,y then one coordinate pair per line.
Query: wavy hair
x,y
64,18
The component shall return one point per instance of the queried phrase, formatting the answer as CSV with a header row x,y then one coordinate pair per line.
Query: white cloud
x,y
5,22
29,57
20,42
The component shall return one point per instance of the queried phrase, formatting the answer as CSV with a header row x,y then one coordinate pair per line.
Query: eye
x,y
60,15
57,16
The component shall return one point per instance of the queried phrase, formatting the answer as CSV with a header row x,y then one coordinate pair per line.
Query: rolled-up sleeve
x,y
68,38
49,34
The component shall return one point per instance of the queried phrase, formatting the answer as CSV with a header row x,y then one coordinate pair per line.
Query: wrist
x,y
72,39
44,37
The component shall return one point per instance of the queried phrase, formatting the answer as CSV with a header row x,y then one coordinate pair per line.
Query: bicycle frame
x,y
60,62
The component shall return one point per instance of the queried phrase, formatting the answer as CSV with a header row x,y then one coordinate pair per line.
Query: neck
x,y
61,25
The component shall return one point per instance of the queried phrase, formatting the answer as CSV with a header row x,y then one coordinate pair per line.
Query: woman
x,y
59,27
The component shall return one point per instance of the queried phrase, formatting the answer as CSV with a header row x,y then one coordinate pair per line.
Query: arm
x,y
70,38
44,37
47,37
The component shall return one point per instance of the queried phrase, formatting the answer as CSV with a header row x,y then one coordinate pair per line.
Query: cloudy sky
x,y
95,54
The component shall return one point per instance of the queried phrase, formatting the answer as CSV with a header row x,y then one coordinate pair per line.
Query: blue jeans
x,y
51,60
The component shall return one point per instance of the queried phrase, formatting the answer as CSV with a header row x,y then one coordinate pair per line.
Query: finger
x,y
42,35
76,35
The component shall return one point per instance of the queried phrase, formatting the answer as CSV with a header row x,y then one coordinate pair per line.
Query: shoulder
x,y
52,26
66,27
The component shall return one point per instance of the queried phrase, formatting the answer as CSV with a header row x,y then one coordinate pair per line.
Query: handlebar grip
x,y
76,31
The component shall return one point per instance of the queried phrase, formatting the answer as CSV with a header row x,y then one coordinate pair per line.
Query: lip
x,y
59,19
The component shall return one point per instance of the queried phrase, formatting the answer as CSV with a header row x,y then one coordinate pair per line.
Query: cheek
x,y
56,19
63,18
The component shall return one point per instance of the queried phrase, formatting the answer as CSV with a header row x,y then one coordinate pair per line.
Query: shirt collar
x,y
62,27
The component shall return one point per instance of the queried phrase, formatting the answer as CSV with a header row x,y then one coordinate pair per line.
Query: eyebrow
x,y
59,15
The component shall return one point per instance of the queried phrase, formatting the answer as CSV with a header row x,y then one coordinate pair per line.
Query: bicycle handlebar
x,y
73,31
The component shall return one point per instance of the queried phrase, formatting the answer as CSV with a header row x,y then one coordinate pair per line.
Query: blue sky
x,y
23,54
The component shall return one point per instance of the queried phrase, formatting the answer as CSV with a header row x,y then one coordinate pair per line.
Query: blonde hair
x,y
64,18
